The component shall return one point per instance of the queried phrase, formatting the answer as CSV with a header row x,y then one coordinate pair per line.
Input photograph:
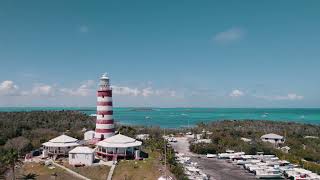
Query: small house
x,y
81,155
272,138
60,145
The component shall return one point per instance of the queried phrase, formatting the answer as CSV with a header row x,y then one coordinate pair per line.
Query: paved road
x,y
218,169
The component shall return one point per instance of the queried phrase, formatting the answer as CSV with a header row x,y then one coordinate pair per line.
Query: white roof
x,y
82,150
50,144
89,132
272,136
63,139
286,147
119,140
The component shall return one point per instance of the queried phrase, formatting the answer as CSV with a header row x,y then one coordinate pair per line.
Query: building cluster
x,y
107,145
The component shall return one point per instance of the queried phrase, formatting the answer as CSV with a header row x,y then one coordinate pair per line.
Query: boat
x,y
270,173
211,155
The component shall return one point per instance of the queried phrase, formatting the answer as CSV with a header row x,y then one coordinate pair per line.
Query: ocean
x,y
187,117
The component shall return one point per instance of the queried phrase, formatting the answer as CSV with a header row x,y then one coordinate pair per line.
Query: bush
x,y
203,148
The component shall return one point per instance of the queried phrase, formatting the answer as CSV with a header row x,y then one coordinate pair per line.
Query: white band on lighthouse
x,y
104,122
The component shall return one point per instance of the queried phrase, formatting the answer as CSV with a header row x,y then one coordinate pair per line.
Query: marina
x,y
237,165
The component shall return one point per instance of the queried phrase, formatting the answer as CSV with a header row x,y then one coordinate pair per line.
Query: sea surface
x,y
187,117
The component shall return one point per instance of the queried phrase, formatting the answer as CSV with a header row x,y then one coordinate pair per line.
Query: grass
x,y
91,172
43,172
139,170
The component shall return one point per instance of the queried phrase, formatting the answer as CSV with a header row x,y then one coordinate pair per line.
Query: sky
x,y
161,53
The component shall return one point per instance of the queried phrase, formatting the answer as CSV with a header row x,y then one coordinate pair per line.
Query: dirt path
x,y
217,169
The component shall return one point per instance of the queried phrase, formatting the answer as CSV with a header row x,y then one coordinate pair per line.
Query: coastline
x,y
189,117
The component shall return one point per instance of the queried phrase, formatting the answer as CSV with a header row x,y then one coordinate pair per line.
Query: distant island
x,y
142,109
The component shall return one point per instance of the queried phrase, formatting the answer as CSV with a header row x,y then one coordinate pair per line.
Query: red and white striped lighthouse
x,y
104,122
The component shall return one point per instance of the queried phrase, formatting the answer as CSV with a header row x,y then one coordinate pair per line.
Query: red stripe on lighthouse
x,y
104,103
104,121
107,93
104,112
105,130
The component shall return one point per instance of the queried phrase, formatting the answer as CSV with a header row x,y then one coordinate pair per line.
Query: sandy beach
x,y
217,169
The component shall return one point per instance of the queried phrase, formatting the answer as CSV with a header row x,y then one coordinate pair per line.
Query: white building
x,y
272,138
246,139
88,135
285,149
203,141
118,146
81,155
142,136
60,145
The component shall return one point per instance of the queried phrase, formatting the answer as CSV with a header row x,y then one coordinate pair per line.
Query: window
x,y
73,156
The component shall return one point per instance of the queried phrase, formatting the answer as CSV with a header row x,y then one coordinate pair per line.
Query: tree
x,y
29,176
10,159
21,144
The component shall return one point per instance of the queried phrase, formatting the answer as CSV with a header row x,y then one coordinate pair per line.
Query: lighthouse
x,y
104,122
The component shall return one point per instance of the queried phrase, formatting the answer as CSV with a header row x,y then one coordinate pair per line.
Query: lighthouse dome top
x,y
104,76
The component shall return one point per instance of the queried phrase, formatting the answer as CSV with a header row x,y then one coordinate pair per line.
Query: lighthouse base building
x,y
118,146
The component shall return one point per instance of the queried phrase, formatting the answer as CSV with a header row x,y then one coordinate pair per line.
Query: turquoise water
x,y
184,117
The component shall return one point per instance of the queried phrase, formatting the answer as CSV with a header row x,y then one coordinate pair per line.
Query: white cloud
x,y
84,29
294,97
230,35
85,89
8,88
42,90
290,96
236,93
147,92
123,90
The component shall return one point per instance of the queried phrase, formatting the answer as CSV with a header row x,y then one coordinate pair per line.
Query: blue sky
x,y
161,53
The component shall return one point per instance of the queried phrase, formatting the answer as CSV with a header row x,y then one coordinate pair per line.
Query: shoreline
x,y
180,118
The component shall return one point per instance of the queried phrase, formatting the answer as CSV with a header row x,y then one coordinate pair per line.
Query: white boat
x,y
268,174
258,166
211,155
240,162
192,169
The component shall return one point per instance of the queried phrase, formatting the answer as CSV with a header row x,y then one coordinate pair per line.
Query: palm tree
x,y
29,176
10,159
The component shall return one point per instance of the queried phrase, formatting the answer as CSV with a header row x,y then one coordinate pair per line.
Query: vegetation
x,y
136,170
29,176
24,131
10,158
42,172
227,135
156,143
91,172
21,132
